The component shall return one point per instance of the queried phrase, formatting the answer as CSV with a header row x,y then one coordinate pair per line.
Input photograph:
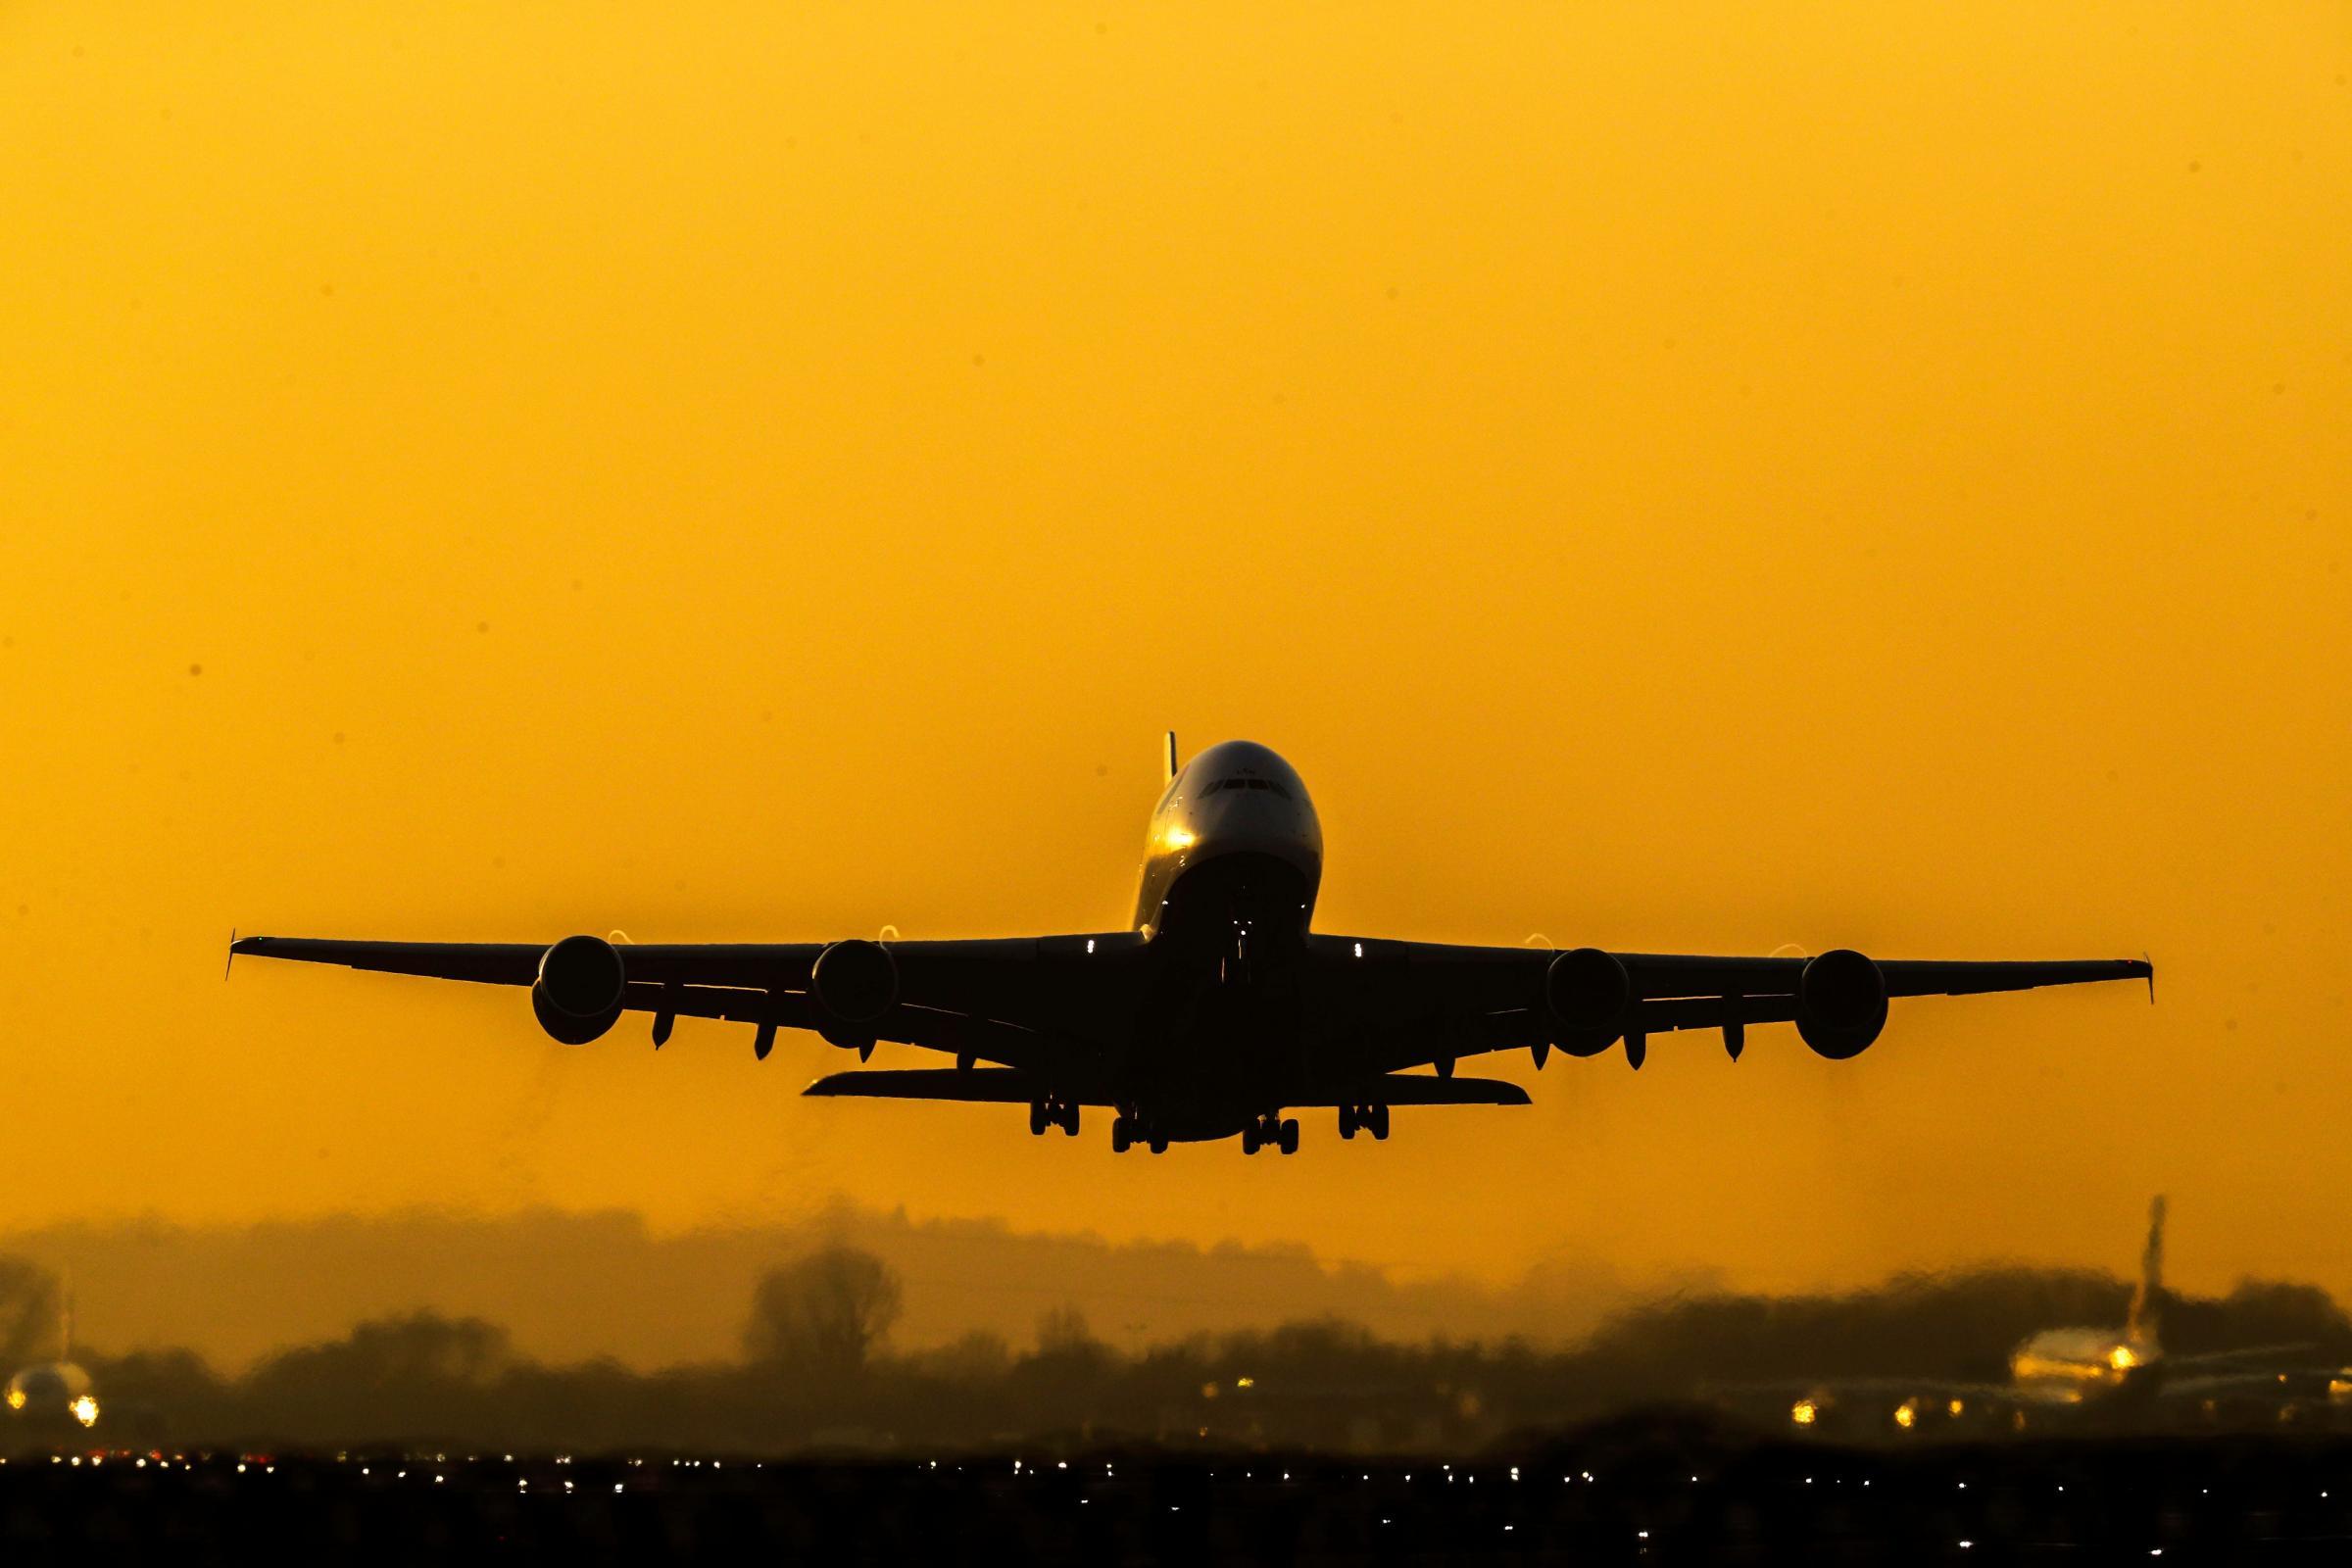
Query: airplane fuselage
x,y
1230,867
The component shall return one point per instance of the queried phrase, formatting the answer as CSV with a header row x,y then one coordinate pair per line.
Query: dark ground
x,y
1666,1489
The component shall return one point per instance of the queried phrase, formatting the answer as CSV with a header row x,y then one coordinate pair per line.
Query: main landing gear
x,y
1045,1113
1128,1131
1270,1131
1373,1119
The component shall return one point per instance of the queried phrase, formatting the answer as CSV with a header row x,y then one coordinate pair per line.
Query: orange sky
x,y
1693,477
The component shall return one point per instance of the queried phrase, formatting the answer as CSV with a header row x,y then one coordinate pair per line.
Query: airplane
x,y
49,1394
1218,1009
2109,1371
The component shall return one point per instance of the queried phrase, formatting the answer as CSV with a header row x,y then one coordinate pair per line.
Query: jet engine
x,y
1588,994
855,982
579,988
1841,1003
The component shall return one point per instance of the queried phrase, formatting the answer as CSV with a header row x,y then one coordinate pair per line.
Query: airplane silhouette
x,y
1219,1009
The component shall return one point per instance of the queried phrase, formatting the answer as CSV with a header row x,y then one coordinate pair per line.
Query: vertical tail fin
x,y
2140,1326
1169,758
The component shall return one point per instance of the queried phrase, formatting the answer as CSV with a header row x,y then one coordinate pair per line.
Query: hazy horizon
x,y
579,1287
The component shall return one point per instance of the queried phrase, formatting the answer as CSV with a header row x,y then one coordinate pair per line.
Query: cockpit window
x,y
1245,784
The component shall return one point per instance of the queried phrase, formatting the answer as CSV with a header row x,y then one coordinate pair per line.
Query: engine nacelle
x,y
1590,996
1841,1003
580,989
855,982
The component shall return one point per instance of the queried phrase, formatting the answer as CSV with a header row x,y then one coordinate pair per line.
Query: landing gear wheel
x,y
1290,1137
1069,1121
1122,1134
1036,1119
1380,1123
1347,1121
1250,1139
1160,1145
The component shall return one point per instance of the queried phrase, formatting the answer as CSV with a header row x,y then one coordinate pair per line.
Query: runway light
x,y
1804,1412
1906,1414
1956,1406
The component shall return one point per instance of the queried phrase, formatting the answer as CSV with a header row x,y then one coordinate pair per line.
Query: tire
x,y
1036,1119
1160,1145
1250,1140
1347,1120
1122,1134
1380,1123
1069,1121
1290,1137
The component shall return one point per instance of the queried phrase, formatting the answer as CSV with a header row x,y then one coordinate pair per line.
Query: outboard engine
x,y
580,989
1841,1003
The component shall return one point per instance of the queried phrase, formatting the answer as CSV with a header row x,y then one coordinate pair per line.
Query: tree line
x,y
818,1371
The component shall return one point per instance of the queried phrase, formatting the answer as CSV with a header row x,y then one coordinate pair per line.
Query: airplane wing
x,y
1026,1002
1411,1002
1046,1004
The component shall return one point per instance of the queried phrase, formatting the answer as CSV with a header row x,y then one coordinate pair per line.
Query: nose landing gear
x,y
1128,1131
1270,1131
1045,1113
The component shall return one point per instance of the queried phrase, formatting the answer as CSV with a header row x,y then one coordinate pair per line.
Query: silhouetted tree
x,y
825,1313
28,1314
1062,1331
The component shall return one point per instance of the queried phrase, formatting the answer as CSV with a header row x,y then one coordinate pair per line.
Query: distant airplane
x,y
1219,1009
51,1394
2094,1367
